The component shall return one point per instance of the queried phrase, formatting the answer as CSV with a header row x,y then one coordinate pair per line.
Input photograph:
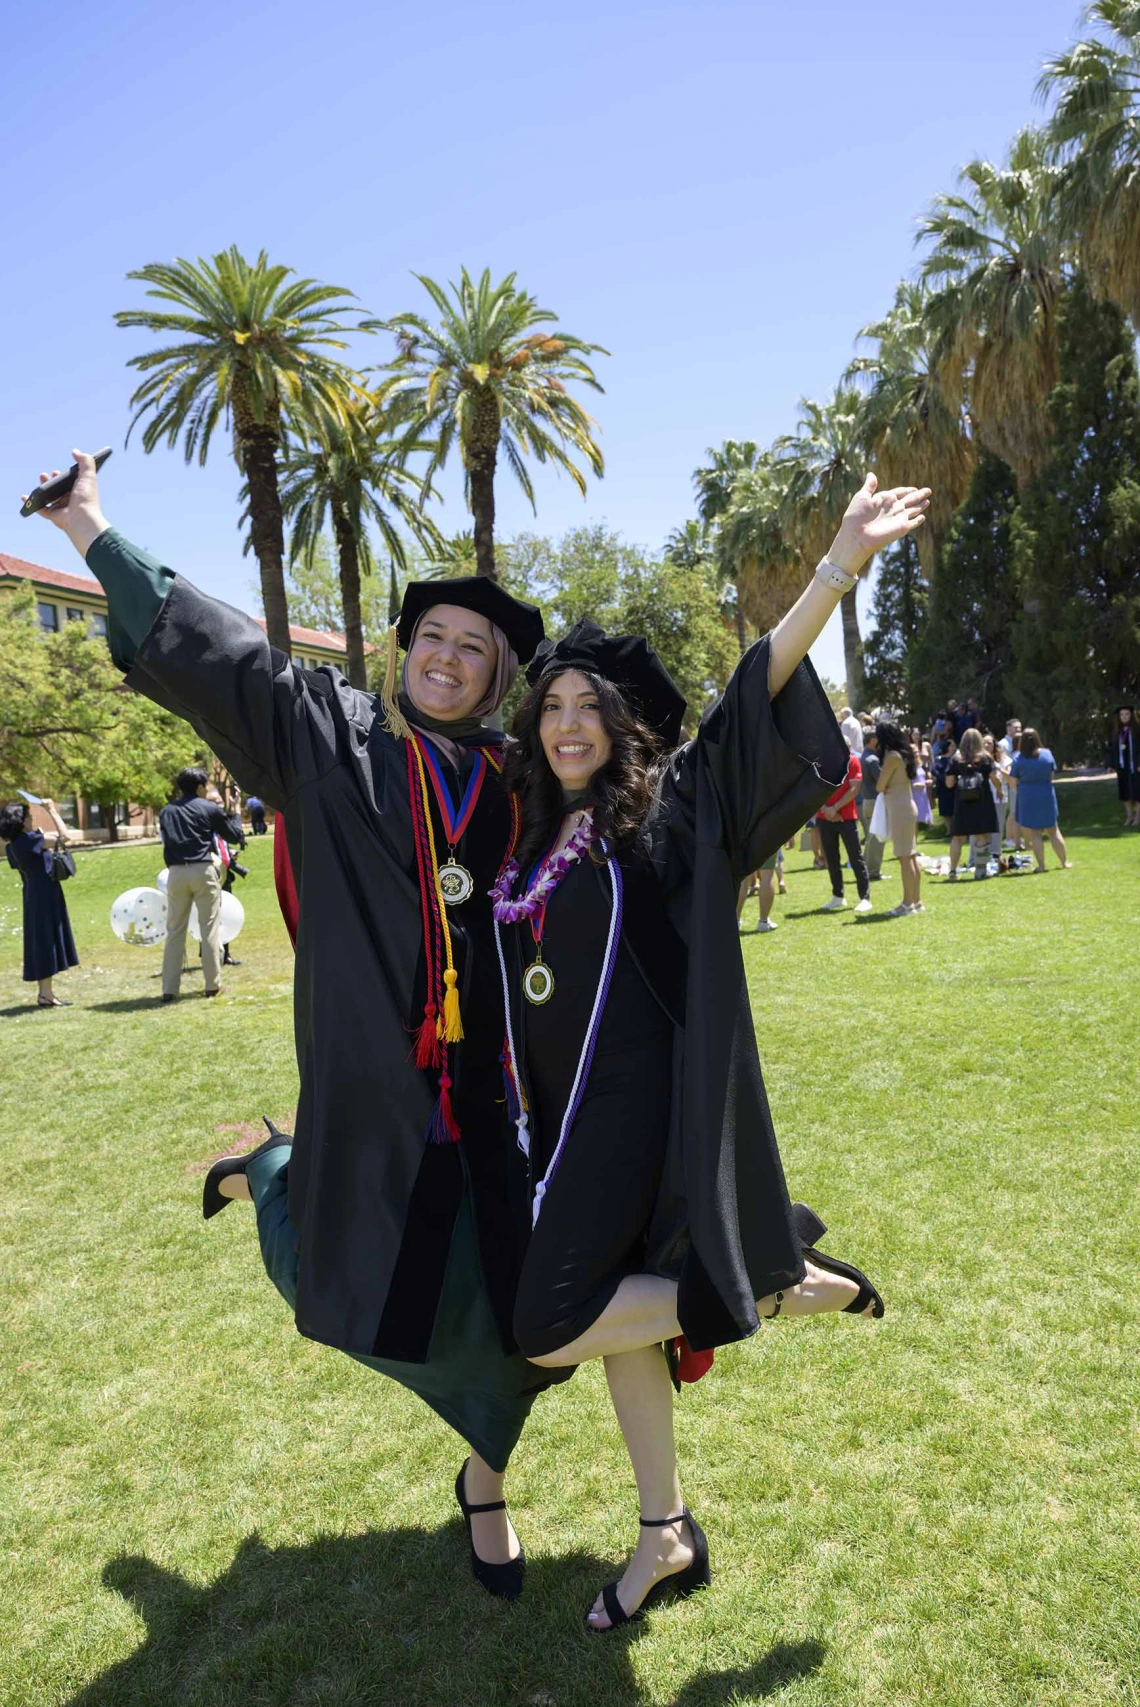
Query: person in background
x,y
998,786
257,825
852,729
968,776
838,819
188,827
1124,759
228,866
1037,798
873,848
763,884
894,782
944,797
49,946
920,787
1008,745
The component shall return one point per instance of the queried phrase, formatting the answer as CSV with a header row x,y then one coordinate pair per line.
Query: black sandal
x,y
212,1199
505,1581
809,1228
696,1575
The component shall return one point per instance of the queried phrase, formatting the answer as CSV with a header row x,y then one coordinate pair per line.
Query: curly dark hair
x,y
620,791
892,740
12,816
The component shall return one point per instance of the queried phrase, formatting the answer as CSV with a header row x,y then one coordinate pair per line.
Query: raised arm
x,y
873,520
202,659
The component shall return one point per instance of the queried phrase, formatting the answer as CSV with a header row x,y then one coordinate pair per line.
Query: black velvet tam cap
x,y
520,622
628,661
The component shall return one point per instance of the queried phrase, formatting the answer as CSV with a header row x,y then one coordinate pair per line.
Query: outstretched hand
x,y
873,520
79,513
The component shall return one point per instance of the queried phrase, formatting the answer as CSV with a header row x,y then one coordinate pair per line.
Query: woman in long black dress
x,y
49,946
1124,757
659,1202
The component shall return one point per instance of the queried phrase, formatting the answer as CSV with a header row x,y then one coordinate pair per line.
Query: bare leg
x,y
767,894
1058,842
643,1312
492,1531
1038,847
46,993
643,1401
235,1186
955,852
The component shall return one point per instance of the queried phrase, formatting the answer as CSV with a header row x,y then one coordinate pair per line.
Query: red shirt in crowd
x,y
854,775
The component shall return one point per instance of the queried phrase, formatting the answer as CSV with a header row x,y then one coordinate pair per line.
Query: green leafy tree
x,y
1076,638
483,380
346,472
313,586
965,646
899,609
253,349
715,482
998,262
1095,131
68,723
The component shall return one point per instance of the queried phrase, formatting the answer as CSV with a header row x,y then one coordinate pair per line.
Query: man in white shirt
x,y
852,730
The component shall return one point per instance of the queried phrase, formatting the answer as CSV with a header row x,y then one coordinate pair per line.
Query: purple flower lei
x,y
509,912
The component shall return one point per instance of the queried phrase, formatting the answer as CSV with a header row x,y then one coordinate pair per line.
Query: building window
x,y
49,617
99,624
74,614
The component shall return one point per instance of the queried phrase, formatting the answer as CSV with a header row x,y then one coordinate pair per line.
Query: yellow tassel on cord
x,y
394,720
452,1023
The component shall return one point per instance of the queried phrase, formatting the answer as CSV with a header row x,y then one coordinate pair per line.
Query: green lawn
x,y
199,1507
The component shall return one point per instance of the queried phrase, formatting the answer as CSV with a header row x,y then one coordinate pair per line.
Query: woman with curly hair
x,y
659,1204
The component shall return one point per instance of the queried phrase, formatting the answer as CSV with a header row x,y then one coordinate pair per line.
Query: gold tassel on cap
x,y
394,720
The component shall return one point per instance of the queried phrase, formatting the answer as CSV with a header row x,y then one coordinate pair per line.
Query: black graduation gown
x,y
757,770
373,1204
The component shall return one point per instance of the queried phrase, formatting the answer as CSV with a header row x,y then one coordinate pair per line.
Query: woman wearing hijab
x,y
658,1198
395,1221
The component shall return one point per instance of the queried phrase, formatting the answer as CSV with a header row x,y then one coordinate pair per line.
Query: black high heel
x,y
505,1581
696,1575
809,1227
212,1199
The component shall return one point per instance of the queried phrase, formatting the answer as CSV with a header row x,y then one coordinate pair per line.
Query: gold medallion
x,y
538,983
455,883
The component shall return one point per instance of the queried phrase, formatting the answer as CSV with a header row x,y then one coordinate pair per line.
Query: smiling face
x,y
570,727
451,663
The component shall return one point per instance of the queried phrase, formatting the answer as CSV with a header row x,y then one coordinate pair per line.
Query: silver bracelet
x,y
838,579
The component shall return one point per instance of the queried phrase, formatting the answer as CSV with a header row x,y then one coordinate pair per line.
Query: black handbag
x,y
62,863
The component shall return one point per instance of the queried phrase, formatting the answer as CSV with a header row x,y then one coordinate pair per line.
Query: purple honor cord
x,y
585,1060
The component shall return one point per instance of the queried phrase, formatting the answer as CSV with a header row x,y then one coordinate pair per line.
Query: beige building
x,y
62,597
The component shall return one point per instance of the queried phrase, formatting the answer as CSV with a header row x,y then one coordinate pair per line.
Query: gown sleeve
x,y
273,725
756,772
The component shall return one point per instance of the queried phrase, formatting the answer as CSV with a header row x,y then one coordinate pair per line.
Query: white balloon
x,y
233,918
162,880
138,916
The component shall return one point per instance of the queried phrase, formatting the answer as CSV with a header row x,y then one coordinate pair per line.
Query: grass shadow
x,y
384,1618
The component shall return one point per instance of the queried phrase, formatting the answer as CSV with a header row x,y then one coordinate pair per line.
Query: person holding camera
x,y
188,827
969,777
49,946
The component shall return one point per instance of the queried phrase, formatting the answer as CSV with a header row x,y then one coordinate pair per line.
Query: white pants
x,y
187,886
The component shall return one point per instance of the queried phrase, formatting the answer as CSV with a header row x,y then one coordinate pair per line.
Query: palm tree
x,y
824,462
999,264
714,483
756,545
346,470
1095,131
253,349
484,379
689,547
914,422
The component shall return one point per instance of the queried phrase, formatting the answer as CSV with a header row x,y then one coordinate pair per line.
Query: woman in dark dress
x,y
1124,757
659,1204
49,946
968,778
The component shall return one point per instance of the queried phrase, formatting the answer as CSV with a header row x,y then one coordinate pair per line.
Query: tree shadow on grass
x,y
391,1618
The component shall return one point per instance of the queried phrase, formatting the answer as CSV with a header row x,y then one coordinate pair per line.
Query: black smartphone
x,y
52,490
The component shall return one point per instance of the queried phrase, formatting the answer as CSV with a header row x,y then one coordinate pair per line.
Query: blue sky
x,y
721,194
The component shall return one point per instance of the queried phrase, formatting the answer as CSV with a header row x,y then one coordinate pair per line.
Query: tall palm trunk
x,y
348,554
482,454
258,443
852,650
741,625
393,593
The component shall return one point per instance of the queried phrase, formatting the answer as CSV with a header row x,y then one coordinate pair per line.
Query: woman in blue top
x,y
49,946
1033,766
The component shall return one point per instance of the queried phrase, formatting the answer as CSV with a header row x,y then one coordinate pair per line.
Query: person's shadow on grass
x,y
391,1618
